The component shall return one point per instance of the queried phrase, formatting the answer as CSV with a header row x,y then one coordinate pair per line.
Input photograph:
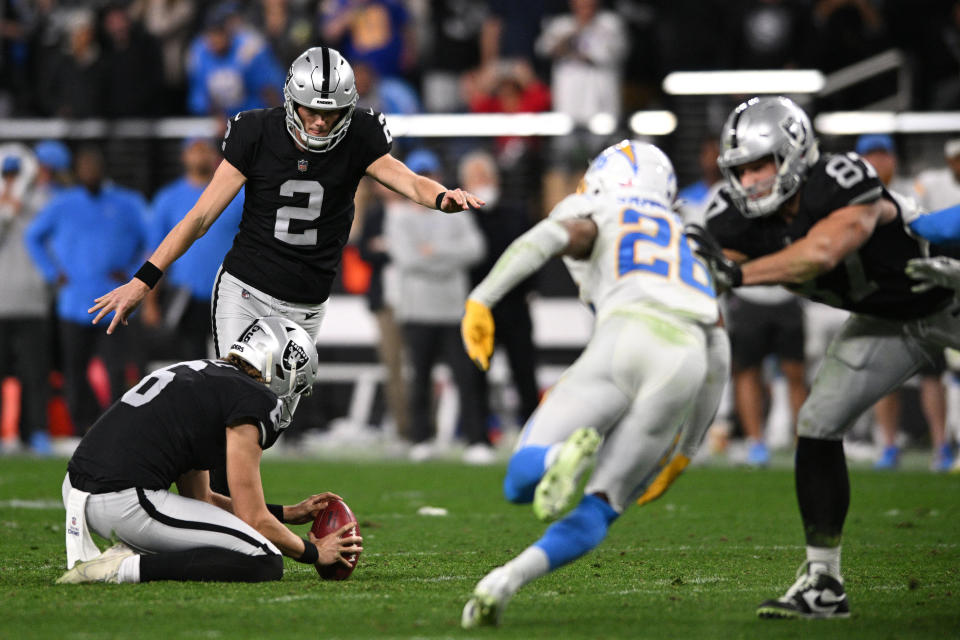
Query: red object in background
x,y
99,381
10,415
335,515
356,272
58,415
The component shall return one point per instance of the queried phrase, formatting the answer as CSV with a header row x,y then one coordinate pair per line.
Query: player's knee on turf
x,y
582,530
267,568
524,471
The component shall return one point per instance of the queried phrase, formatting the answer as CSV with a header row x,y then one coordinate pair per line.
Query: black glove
x,y
726,272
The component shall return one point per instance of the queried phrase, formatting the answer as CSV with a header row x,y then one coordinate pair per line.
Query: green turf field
x,y
693,565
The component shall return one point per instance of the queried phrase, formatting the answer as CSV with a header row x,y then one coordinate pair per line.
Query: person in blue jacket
x,y
186,291
86,238
230,68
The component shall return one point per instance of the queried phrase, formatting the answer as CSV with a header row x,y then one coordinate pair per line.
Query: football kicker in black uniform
x,y
176,424
300,165
825,227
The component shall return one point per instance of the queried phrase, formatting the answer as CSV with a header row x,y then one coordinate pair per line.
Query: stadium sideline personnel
x,y
431,257
88,237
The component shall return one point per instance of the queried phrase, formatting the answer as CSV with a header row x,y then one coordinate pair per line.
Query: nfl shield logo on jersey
x,y
301,165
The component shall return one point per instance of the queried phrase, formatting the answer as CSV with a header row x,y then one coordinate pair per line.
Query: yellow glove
x,y
476,328
664,479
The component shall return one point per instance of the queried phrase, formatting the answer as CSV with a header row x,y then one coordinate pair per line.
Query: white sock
x,y
551,456
129,571
528,566
828,557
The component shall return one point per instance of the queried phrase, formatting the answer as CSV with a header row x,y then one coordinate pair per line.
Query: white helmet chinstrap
x,y
320,78
772,127
282,352
630,168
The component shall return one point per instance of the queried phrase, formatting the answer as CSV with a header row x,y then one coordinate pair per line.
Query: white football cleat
x,y
104,568
815,594
556,491
490,598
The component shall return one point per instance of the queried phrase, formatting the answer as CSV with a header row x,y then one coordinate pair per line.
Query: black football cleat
x,y
813,595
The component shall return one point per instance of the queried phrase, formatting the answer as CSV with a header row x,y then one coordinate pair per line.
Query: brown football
x,y
335,515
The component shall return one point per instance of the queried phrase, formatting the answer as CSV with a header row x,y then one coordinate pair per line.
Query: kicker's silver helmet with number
x,y
282,351
631,167
762,127
320,78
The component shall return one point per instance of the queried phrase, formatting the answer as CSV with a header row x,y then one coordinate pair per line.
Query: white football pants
x,y
235,304
635,383
152,521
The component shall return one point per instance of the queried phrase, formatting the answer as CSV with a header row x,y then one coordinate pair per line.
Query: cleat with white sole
x,y
490,598
103,568
556,491
815,594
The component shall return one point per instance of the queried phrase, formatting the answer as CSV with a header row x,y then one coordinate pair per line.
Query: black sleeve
x,y
375,138
838,181
241,140
259,409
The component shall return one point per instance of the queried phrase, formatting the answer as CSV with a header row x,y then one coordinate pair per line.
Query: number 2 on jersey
x,y
666,235
281,229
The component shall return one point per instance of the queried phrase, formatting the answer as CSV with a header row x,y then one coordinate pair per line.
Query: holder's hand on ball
x,y
332,547
307,510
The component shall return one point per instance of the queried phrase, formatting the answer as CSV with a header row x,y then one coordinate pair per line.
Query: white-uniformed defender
x,y
630,401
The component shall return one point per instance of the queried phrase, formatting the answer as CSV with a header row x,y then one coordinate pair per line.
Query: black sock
x,y
823,490
210,564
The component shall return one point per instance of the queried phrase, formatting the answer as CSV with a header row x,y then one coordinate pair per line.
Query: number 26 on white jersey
x,y
655,244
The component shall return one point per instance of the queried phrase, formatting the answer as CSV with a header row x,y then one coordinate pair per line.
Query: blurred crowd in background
x,y
84,58
164,58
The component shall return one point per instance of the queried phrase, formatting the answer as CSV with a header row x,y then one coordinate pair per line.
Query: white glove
x,y
940,271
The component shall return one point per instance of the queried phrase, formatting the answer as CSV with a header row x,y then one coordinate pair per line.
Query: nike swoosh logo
x,y
307,316
822,602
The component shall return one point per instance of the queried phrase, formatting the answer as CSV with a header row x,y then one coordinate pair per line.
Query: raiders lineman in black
x,y
172,427
299,165
825,227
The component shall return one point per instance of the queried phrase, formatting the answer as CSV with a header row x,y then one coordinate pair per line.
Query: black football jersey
x,y
298,205
871,280
173,421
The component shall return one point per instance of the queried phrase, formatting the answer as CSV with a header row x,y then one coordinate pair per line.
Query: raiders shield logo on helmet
x,y
294,357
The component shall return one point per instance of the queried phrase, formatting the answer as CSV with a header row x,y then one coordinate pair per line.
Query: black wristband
x,y
149,274
276,510
439,199
310,553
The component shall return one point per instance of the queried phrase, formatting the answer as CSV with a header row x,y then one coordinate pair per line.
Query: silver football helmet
x,y
320,78
761,127
282,352
631,167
